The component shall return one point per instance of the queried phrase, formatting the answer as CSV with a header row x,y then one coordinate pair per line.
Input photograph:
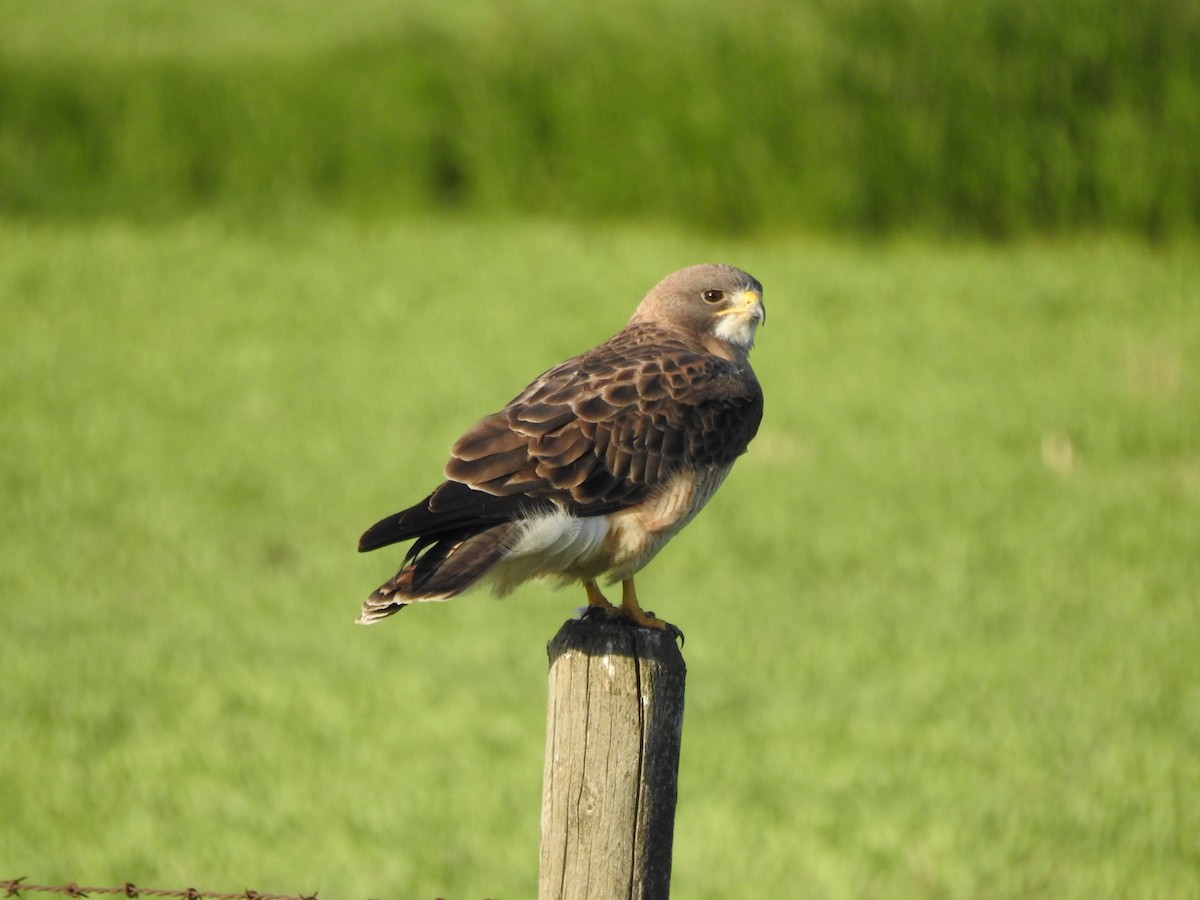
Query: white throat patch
x,y
737,328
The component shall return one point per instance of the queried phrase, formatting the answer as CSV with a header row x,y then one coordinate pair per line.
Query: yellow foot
x,y
597,600
632,610
629,612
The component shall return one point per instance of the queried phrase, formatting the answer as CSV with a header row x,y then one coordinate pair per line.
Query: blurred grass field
x,y
943,621
985,117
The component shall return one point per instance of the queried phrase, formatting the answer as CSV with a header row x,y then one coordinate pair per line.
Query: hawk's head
x,y
707,299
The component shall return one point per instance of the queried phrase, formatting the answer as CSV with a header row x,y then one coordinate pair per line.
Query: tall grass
x,y
993,117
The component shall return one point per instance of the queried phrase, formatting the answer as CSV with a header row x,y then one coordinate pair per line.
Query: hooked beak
x,y
738,322
748,305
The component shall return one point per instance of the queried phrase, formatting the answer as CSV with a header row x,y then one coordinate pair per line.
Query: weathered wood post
x,y
614,720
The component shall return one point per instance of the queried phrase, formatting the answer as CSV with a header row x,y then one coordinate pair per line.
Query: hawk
x,y
592,468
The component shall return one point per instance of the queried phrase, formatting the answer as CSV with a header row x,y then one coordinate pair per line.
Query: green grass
x,y
943,621
987,117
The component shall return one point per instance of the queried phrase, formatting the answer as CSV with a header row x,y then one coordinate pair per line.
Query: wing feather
x,y
600,431
451,509
489,438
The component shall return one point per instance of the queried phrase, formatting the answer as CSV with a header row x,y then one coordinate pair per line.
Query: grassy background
x,y
993,117
943,620
255,262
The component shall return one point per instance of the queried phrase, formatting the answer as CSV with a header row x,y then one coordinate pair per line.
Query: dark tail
x,y
458,533
438,568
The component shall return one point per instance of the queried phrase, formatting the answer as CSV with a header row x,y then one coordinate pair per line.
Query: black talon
x,y
674,630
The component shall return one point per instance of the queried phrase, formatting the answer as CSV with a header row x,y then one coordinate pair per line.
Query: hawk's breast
x,y
637,533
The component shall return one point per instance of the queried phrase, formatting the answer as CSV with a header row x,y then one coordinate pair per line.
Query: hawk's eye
x,y
713,296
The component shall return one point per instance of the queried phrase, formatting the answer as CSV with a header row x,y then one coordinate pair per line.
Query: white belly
x,y
617,545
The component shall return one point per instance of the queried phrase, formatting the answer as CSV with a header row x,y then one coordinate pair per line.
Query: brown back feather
x,y
599,431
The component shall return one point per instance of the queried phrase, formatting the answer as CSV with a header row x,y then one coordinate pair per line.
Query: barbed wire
x,y
13,888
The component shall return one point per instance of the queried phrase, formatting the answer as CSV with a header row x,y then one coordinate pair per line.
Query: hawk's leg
x,y
632,610
596,600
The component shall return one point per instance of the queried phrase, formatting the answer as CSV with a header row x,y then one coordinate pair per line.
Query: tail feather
x,y
438,568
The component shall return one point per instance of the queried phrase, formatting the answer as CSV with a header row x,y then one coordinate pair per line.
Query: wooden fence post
x,y
614,720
